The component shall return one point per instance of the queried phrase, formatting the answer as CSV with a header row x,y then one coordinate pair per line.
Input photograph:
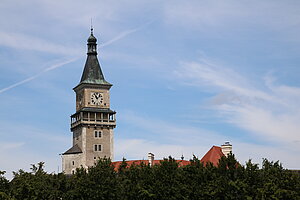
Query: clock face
x,y
96,98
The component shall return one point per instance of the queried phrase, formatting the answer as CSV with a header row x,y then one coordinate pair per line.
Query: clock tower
x,y
93,122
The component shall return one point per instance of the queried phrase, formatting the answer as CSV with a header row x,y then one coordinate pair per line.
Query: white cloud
x,y
27,146
282,127
138,149
174,133
208,73
166,139
14,40
183,140
80,13
22,158
25,42
220,18
24,134
221,13
11,145
271,113
256,152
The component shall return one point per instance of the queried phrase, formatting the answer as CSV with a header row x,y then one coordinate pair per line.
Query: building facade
x,y
93,122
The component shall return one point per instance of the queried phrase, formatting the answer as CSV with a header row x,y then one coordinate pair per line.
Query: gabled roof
x,y
73,150
213,156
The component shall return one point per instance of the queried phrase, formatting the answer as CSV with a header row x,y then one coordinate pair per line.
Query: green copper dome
x,y
92,39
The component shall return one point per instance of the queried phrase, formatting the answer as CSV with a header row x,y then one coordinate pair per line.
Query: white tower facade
x,y
93,123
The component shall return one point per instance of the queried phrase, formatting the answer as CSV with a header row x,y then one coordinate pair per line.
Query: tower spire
x,y
92,72
92,26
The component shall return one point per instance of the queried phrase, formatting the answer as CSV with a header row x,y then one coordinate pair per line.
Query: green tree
x,y
277,182
36,185
166,180
4,186
97,182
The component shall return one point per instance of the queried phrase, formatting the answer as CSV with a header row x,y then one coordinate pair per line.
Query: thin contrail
x,y
52,67
125,33
118,37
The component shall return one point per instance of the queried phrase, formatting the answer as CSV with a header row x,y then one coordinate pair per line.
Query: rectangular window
x,y
98,134
97,147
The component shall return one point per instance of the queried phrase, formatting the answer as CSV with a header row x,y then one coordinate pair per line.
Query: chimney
x,y
226,148
151,158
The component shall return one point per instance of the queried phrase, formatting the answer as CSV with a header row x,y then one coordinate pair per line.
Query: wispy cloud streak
x,y
52,67
125,33
25,42
118,37
265,109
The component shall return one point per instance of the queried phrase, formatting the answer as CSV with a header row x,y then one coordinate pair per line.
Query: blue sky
x,y
187,75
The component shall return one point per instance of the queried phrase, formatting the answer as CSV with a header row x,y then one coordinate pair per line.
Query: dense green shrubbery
x,y
229,180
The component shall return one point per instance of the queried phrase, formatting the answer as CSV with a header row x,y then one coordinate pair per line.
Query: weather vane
x,y
92,26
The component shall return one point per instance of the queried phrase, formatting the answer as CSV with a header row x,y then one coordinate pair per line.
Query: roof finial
x,y
92,26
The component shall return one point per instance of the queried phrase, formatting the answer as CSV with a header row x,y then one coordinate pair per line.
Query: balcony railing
x,y
93,118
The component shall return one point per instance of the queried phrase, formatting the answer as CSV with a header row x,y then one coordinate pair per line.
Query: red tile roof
x,y
155,162
213,156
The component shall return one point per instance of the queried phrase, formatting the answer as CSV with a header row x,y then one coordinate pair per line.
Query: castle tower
x,y
93,123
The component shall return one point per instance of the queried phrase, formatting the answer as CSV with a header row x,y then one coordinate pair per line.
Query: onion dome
x,y
92,38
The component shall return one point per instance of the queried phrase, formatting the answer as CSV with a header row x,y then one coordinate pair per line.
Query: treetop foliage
x,y
167,180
